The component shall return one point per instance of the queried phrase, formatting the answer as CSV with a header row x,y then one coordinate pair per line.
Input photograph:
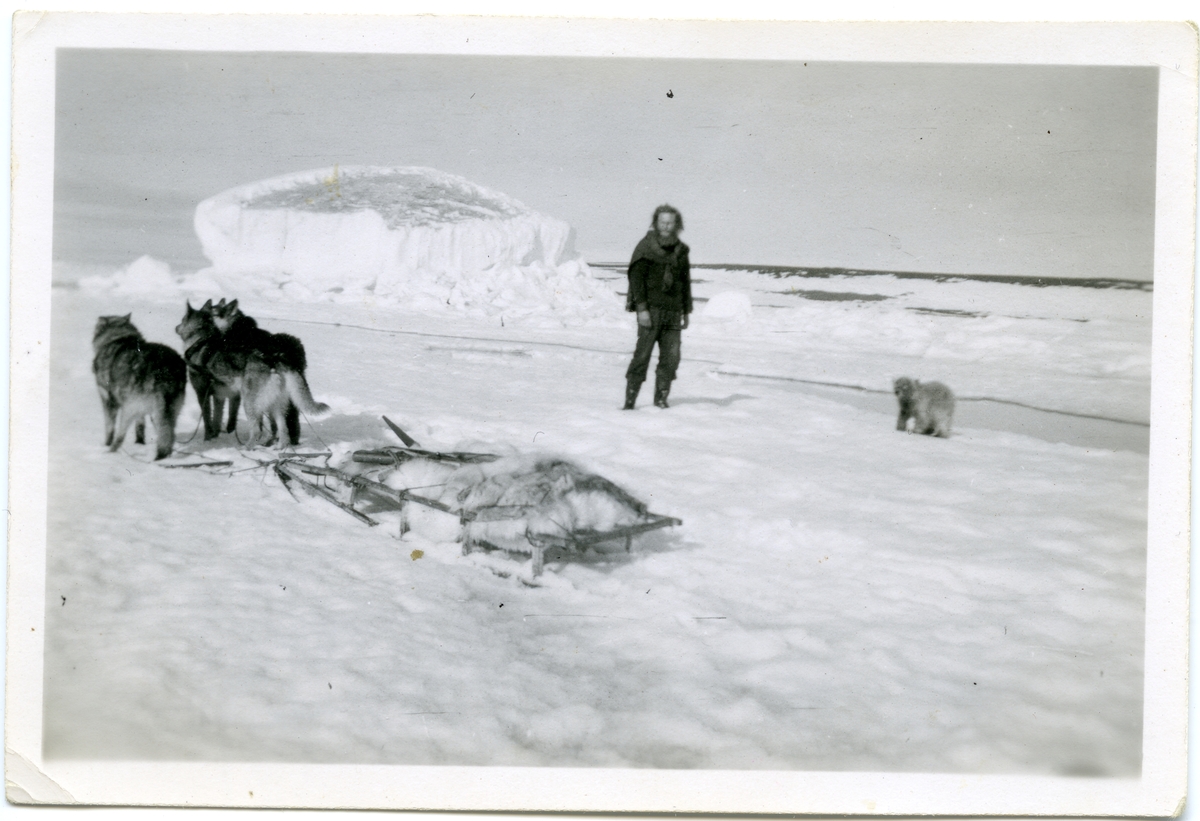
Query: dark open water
x,y
998,414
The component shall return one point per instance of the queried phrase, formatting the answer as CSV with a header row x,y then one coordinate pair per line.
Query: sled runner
x,y
292,471
206,463
529,507
396,456
572,541
289,472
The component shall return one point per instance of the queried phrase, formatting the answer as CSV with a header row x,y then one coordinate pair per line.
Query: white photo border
x,y
1162,786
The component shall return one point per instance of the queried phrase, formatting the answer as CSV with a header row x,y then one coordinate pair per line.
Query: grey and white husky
x,y
241,335
929,404
267,387
137,379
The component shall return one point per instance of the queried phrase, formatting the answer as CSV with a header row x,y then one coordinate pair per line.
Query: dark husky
x,y
242,334
137,379
214,373
220,371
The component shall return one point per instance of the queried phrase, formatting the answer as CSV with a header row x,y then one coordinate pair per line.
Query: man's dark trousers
x,y
665,331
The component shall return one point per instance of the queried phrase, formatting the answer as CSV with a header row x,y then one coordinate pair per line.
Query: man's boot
x,y
631,394
661,389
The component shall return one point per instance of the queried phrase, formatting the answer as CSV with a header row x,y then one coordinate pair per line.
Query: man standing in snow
x,y
660,291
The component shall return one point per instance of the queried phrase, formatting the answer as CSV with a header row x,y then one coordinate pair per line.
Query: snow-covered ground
x,y
841,596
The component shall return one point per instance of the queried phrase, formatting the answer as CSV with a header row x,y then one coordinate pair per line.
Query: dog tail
x,y
301,396
164,415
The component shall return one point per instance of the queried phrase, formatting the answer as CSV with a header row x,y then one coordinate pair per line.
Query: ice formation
x,y
145,275
729,305
410,235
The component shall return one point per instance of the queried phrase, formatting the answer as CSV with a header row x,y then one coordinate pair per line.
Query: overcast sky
x,y
1024,170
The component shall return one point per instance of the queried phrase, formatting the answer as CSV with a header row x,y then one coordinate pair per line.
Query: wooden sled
x,y
345,491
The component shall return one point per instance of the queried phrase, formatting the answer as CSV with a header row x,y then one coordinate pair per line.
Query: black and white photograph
x,y
676,406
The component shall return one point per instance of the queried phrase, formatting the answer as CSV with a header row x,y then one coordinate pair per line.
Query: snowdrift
x,y
408,235
145,275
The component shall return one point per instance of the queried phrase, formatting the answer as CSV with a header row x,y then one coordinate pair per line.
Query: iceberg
x,y
400,234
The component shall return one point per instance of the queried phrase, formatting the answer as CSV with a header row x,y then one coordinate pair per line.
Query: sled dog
x,y
929,404
220,371
137,379
242,334
215,374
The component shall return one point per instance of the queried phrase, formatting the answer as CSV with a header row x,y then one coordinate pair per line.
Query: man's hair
x,y
667,209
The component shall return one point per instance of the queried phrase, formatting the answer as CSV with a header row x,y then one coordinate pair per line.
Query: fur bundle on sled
x,y
517,496
547,497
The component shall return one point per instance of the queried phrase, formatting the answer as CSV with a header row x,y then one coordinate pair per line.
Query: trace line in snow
x,y
575,616
447,336
496,351
713,362
721,371
1072,651
862,389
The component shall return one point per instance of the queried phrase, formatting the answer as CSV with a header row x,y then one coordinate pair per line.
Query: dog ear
x,y
232,305
207,306
128,317
190,311
221,304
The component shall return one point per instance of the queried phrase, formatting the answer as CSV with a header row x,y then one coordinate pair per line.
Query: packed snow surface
x,y
413,236
841,596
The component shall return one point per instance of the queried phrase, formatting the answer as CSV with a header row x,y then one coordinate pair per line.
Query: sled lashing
x,y
512,504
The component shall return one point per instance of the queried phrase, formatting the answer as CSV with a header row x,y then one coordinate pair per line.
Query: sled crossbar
x,y
288,473
378,488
